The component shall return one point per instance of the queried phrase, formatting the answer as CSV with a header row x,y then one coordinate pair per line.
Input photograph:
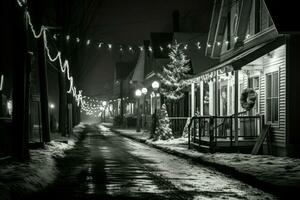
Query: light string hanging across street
x,y
124,47
93,106
64,66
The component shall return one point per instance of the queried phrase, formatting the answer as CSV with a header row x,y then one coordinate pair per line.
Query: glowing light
x,y
9,107
77,40
109,46
144,90
67,37
169,46
161,49
185,47
155,85
208,45
218,43
130,48
1,83
52,106
198,45
138,93
88,42
141,48
150,49
100,45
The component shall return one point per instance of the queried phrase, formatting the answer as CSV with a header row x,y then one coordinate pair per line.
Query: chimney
x,y
175,21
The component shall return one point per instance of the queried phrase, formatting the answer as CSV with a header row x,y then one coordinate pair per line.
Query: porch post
x,y
192,99
236,108
216,96
201,97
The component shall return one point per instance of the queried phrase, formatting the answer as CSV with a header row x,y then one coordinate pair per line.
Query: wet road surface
x,y
106,166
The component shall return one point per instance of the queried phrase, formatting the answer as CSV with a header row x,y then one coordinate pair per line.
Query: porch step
x,y
201,148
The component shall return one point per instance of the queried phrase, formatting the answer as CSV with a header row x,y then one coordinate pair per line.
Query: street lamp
x,y
52,123
144,92
104,103
155,85
138,94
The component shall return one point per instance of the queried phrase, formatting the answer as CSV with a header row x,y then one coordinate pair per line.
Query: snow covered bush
x,y
163,130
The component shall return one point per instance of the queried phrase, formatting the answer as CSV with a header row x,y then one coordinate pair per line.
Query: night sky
x,y
130,22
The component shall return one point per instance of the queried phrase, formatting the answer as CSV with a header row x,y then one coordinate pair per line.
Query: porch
x,y
224,133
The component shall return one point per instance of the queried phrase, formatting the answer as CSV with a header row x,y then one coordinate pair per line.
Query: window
x,y
272,84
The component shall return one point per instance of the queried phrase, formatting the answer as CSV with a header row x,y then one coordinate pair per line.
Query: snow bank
x,y
21,178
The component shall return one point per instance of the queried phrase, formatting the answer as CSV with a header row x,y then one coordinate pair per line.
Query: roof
x,y
248,56
138,74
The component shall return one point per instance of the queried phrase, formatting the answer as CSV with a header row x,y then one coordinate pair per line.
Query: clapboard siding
x,y
276,63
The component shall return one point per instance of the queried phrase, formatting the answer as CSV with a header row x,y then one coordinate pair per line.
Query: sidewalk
x,y
277,175
18,179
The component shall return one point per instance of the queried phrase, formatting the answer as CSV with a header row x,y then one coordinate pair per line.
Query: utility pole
x,y
43,79
20,96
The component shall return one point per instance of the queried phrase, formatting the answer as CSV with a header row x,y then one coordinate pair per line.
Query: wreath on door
x,y
248,98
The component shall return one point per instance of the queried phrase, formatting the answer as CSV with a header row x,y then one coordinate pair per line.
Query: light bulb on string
x,y
88,42
77,40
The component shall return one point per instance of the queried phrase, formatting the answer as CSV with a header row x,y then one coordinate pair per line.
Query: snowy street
x,y
109,166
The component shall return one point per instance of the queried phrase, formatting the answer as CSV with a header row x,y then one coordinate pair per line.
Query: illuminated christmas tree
x,y
174,74
163,130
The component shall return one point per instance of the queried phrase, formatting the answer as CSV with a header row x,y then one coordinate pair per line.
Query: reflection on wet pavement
x,y
106,166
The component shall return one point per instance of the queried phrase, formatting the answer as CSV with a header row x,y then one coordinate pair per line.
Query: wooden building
x,y
251,54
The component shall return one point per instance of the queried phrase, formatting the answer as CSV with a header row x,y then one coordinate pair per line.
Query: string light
x,y
208,45
77,40
161,49
141,48
100,44
67,37
130,48
169,46
88,42
1,83
109,46
64,66
198,45
218,43
186,46
150,48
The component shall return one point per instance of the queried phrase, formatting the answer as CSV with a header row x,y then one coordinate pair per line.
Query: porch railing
x,y
177,125
209,130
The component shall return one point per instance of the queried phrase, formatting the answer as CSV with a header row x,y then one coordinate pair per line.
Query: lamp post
x,y
104,103
138,94
155,86
144,92
52,123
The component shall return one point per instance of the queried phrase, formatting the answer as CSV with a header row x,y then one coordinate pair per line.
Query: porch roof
x,y
246,56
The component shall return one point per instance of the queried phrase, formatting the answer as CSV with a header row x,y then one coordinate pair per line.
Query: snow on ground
x,y
279,171
20,178
203,183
